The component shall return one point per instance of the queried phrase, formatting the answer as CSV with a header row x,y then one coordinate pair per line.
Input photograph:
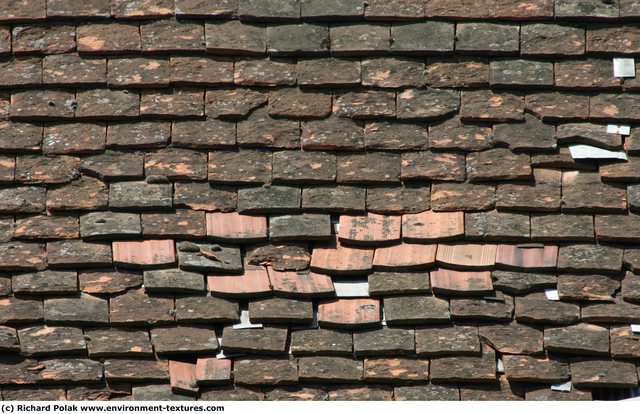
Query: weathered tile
x,y
306,226
547,394
140,195
135,370
587,287
184,340
267,340
297,39
581,258
209,258
369,229
397,370
428,165
512,338
531,369
447,340
173,280
462,196
394,136
234,37
280,310
520,282
134,307
429,104
502,390
390,283
83,309
334,199
425,37
497,226
20,137
368,104
497,164
46,227
17,310
360,39
393,72
300,284
384,341
299,104
431,226
457,72
480,309
631,287
321,341
268,199
415,309
502,106
487,38
138,72
48,340
606,198
281,256
200,70
261,130
558,106
262,371
297,167
471,369
76,253
603,373
546,39
118,342
138,135
43,38
9,339
108,280
109,225
206,309
618,312
604,38
330,370
195,8
48,282
172,103
536,308
328,72
232,103
133,9
408,198
456,282
585,74
582,339
179,223
562,227
431,392
521,73
160,392
624,342
532,135
169,35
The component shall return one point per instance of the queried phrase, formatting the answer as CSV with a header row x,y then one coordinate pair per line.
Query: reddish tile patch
x,y
405,255
144,253
254,281
183,377
337,258
234,226
431,225
472,256
349,312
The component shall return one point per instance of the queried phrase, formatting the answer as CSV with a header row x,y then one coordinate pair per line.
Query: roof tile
x,y
143,254
212,371
384,341
487,38
396,370
297,39
280,310
182,376
447,340
300,284
134,307
253,282
263,371
170,35
206,309
536,308
480,309
349,313
404,256
108,38
47,340
48,282
531,369
108,280
184,340
118,342
82,309
297,167
424,37
455,282
415,309
603,373
135,370
465,368
296,103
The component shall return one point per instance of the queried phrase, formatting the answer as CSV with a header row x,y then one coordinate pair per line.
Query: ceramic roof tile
x,y
300,116
370,229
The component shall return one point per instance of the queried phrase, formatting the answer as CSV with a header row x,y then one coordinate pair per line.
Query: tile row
x,y
412,105
293,10
133,72
340,39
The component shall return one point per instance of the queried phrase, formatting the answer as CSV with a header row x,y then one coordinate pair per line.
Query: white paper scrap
x,y
624,68
588,152
563,386
552,294
635,328
619,129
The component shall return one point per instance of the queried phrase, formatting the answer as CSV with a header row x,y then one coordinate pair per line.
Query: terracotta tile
x,y
213,371
369,229
145,253
531,258
233,226
405,256
461,282
471,256
183,377
349,313
334,258
300,284
253,282
431,225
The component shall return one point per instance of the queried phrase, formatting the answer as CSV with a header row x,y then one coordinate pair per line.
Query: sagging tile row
x,y
334,133
339,39
397,72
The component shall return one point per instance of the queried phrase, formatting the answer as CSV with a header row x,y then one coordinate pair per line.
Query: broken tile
x,y
201,257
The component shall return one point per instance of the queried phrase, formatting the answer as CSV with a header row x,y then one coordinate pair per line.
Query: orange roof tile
x,y
212,371
305,284
460,282
472,256
253,282
144,253
431,225
183,377
234,226
405,256
533,258
339,259
349,313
